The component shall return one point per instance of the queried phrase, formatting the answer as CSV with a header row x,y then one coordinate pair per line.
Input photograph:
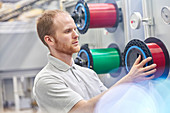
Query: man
x,y
62,86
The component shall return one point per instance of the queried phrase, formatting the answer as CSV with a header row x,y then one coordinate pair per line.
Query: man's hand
x,y
139,73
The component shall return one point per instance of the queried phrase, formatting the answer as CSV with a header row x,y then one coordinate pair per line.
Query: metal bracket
x,y
148,21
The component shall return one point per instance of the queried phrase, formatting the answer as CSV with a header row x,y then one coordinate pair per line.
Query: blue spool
x,y
81,5
88,57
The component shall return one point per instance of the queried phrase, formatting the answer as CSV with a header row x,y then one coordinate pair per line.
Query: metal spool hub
x,y
102,61
96,15
151,47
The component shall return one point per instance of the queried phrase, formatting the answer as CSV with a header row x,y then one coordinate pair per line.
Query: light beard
x,y
78,49
64,48
67,50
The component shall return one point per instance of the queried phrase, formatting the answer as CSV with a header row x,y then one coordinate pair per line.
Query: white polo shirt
x,y
58,86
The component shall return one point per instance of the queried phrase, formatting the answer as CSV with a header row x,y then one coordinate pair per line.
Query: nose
x,y
75,34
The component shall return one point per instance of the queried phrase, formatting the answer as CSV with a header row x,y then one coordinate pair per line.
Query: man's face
x,y
66,37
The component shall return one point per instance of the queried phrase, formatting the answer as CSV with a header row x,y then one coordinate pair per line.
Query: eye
x,y
68,31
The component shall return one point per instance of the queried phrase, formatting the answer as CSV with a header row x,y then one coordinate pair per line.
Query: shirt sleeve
x,y
53,96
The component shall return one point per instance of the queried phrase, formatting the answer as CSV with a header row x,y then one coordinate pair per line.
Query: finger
x,y
146,78
137,60
149,72
149,67
145,61
149,78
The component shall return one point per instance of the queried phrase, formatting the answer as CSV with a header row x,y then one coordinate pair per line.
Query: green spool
x,y
105,60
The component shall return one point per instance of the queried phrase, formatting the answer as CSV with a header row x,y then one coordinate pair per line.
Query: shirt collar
x,y
60,65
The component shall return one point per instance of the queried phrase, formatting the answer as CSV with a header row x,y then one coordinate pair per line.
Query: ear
x,y
49,40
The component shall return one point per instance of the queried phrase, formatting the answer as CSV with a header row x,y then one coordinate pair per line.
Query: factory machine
x,y
144,30
145,27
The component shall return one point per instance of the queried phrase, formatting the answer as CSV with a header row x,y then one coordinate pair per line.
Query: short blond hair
x,y
45,23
